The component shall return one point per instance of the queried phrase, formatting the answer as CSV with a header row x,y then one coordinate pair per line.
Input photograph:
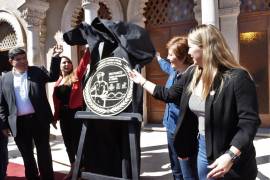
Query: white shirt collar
x,y
16,73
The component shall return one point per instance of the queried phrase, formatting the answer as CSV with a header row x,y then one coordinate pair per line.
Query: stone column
x,y
229,11
210,14
197,11
33,13
90,10
33,49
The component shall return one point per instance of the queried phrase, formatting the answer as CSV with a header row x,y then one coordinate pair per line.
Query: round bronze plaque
x,y
108,91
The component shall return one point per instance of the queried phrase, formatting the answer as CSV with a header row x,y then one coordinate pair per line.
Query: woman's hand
x,y
220,167
158,56
57,50
136,77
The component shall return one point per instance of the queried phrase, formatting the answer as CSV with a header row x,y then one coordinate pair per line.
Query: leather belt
x,y
27,116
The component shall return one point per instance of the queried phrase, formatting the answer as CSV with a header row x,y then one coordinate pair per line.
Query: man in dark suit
x,y
25,110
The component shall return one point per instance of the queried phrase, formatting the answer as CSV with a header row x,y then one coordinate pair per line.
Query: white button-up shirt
x,y
23,103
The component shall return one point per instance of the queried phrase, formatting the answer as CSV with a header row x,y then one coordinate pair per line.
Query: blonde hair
x,y
179,46
71,77
216,54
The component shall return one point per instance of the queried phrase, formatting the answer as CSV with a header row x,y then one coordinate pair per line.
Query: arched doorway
x,y
7,41
164,19
254,43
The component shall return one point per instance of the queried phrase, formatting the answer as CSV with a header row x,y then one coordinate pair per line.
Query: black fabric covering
x,y
107,147
131,37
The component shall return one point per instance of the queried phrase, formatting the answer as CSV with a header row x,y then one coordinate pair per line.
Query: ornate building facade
x,y
33,24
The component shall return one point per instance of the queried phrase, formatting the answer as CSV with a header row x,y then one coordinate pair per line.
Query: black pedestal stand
x,y
131,119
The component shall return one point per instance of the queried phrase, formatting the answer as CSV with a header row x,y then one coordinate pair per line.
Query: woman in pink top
x,y
68,99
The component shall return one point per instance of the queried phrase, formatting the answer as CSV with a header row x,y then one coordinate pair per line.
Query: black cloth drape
x,y
107,142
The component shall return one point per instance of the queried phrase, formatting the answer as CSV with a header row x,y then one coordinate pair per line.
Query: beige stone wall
x,y
11,4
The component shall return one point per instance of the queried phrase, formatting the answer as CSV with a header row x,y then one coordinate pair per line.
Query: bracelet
x,y
144,83
233,156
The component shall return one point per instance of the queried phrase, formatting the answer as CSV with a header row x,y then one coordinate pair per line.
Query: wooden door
x,y
254,38
4,62
160,35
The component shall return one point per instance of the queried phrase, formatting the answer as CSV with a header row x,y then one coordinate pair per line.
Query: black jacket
x,y
231,119
37,79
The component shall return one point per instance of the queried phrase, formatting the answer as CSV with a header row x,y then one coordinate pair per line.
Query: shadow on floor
x,y
155,163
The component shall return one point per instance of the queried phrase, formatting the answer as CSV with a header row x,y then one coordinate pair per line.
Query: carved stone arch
x,y
115,8
135,12
67,15
11,19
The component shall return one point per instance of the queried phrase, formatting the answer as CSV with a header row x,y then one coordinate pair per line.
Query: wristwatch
x,y
233,156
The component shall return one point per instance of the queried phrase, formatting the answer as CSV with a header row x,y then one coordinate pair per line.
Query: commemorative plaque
x,y
108,91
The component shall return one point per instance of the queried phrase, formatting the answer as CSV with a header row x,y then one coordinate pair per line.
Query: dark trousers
x,y
3,155
181,169
71,130
29,130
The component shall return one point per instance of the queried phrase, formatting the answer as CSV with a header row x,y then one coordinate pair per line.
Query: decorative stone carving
x,y
33,12
33,17
115,9
229,3
135,12
228,8
232,11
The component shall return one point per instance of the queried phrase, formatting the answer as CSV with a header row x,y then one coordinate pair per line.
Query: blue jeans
x,y
181,169
202,161
3,156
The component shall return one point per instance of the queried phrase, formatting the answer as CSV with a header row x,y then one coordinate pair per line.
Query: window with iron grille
x,y
7,36
159,12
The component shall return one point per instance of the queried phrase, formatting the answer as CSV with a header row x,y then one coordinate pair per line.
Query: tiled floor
x,y
155,162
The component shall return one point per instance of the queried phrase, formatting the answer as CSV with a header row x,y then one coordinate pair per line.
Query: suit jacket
x,y
231,118
37,79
